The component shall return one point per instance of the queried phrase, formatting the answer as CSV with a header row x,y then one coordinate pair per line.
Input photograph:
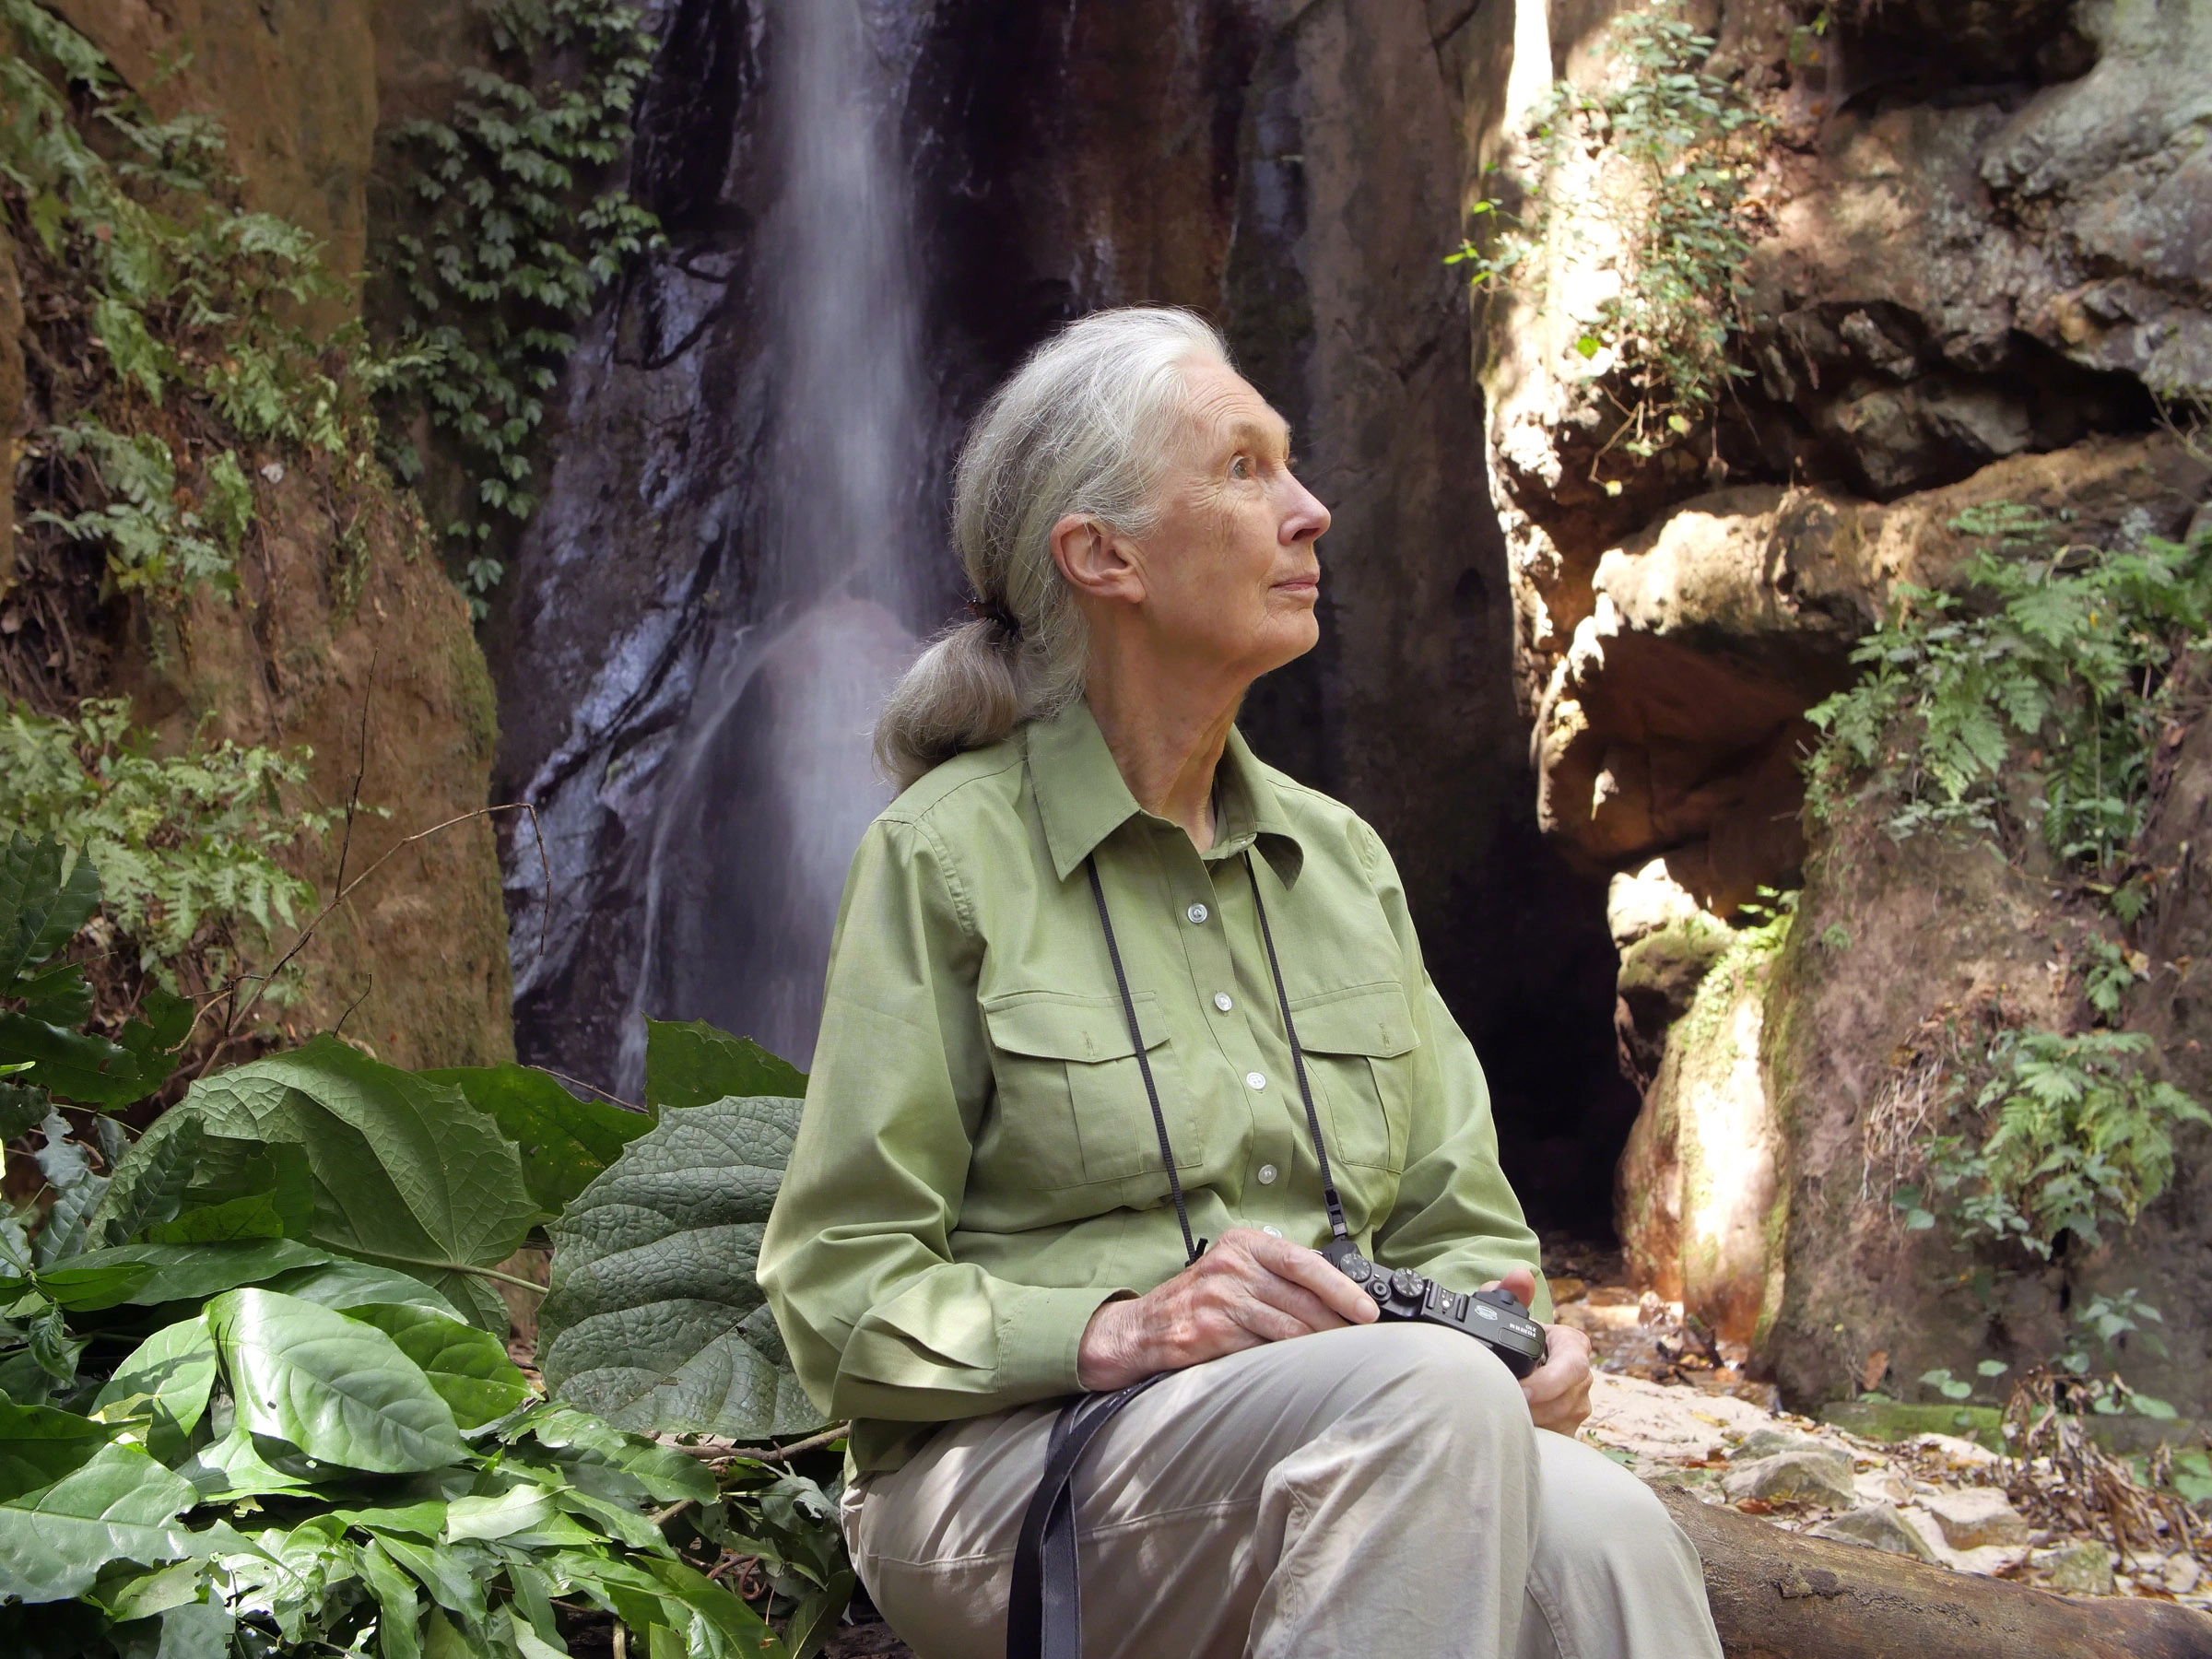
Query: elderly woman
x,y
978,1220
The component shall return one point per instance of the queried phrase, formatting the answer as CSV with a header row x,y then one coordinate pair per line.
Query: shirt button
x,y
1273,1232
1223,1001
1253,1080
1267,1175
1197,913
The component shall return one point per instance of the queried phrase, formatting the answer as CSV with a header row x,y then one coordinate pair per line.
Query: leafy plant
x,y
1764,929
654,1315
242,1415
2065,1135
514,243
182,290
187,845
45,900
1662,160
2066,652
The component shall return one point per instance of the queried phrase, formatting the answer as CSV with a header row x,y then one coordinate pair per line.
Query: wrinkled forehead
x,y
1223,411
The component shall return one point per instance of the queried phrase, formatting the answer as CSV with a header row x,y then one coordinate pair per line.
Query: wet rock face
x,y
1291,172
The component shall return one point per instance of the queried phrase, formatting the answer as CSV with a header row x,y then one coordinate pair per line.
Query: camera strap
x,y
1045,1602
1044,1610
1194,1247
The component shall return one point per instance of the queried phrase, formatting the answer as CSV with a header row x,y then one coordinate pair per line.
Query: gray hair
x,y
1083,426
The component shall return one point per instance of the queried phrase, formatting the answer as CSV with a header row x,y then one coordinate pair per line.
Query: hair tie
x,y
995,611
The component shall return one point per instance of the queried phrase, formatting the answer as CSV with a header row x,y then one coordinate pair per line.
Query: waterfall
x,y
771,783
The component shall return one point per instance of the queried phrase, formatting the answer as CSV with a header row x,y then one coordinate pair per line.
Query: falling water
x,y
773,783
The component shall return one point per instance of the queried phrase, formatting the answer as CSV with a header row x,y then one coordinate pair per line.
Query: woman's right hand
x,y
1248,1288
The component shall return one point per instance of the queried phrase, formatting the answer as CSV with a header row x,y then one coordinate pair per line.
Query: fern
x,y
188,845
2064,653
2066,1135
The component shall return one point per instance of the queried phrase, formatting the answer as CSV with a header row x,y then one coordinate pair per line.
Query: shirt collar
x,y
1082,799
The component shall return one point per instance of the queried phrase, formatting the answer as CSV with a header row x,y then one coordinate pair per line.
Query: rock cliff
x,y
1977,273
345,637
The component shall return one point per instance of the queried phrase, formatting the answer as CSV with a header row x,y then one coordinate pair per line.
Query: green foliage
x,y
187,845
402,1171
154,544
44,1001
186,296
654,1316
690,1064
274,1445
565,1142
516,242
1764,929
1670,151
2067,651
2065,1135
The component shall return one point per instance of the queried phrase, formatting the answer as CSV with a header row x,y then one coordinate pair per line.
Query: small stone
x,y
1803,1476
2084,1568
1878,1526
2182,1574
272,471
1976,1518
1766,1443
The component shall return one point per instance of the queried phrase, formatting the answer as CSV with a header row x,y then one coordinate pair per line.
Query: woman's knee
x,y
1591,1505
1443,1380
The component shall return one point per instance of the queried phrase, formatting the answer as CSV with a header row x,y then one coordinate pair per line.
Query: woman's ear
x,y
1096,562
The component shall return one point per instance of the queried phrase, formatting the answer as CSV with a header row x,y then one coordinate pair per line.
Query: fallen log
x,y
1779,1594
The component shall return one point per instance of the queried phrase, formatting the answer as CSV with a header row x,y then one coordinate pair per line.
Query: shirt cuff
x,y
1040,1330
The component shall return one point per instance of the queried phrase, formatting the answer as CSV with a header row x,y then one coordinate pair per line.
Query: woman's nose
x,y
1307,518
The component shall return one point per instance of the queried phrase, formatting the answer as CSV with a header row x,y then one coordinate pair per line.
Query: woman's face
x,y
1229,575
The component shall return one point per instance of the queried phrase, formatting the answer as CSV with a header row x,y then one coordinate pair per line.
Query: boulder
x,y
2081,1568
1807,1476
1976,1518
1878,1526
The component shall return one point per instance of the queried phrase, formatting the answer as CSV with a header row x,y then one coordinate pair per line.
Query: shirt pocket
x,y
1355,1042
1072,1103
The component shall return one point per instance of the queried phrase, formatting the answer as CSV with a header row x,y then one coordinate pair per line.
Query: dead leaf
x,y
1875,1370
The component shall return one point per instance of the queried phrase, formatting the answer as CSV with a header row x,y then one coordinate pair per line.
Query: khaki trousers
x,y
1371,1493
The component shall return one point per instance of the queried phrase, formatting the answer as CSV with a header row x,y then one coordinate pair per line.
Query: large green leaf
x,y
468,1367
167,1381
689,1063
77,1066
182,1185
40,909
118,1507
149,1275
655,1320
346,1285
338,1390
156,1194
564,1141
405,1172
39,1445
234,1468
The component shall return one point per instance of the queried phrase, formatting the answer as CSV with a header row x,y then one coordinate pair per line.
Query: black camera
x,y
1494,1318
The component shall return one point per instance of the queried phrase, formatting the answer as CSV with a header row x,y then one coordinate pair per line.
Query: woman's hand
x,y
1248,1288
1559,1390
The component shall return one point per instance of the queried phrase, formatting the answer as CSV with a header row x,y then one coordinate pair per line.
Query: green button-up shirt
x,y
977,1169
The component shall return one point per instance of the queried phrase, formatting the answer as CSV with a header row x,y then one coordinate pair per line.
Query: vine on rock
x,y
1652,175
177,388
517,236
2033,702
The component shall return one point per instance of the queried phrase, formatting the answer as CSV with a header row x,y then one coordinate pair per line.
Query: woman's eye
x,y
1241,468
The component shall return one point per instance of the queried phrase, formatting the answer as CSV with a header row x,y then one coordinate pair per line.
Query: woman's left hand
x,y
1559,1390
